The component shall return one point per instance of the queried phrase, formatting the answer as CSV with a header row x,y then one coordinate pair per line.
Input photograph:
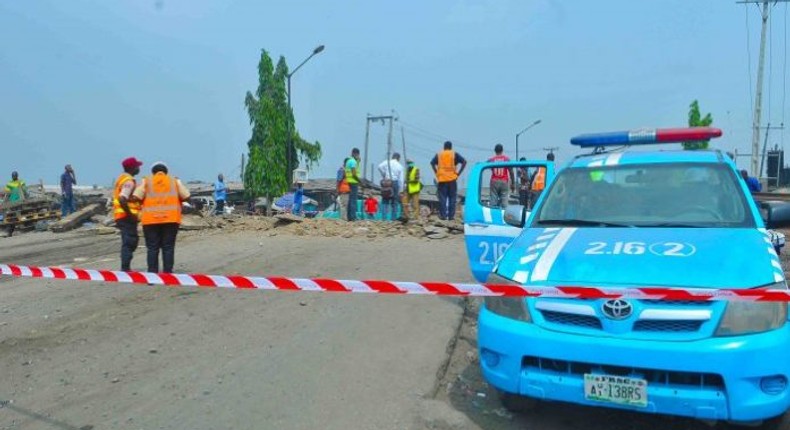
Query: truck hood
x,y
671,257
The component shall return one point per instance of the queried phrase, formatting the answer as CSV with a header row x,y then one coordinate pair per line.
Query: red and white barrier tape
x,y
388,287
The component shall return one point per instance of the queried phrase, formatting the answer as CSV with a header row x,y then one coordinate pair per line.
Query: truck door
x,y
486,234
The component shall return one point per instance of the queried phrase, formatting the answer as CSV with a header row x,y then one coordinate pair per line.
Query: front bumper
x,y
508,347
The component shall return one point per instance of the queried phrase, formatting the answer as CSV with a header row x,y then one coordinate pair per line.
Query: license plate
x,y
615,389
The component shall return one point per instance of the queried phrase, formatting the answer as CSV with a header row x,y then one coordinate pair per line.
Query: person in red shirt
x,y
371,207
502,179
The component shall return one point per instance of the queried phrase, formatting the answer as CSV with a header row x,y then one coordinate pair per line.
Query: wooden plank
x,y
77,218
8,220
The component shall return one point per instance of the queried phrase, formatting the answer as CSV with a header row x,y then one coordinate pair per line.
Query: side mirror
x,y
516,215
776,214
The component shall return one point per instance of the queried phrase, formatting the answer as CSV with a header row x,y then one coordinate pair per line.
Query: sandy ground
x,y
98,356
94,356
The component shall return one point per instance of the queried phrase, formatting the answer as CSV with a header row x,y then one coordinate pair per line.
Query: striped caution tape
x,y
389,287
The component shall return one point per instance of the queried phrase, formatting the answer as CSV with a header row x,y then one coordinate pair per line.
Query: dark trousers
x,y
67,205
523,197
533,197
161,236
448,194
220,207
353,196
129,241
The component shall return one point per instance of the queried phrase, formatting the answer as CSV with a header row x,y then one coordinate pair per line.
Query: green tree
x,y
696,120
266,173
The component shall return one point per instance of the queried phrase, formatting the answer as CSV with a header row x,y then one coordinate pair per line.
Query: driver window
x,y
518,185
497,190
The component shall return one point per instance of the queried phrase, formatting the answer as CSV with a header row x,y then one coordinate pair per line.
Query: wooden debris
x,y
289,218
194,222
27,212
76,219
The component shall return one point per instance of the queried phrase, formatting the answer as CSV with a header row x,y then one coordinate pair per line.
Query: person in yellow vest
x,y
413,188
161,196
444,165
126,210
15,190
538,182
352,178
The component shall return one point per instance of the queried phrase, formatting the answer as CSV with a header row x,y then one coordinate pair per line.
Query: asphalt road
x,y
77,355
100,356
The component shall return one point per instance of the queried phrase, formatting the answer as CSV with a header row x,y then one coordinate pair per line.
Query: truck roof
x,y
647,157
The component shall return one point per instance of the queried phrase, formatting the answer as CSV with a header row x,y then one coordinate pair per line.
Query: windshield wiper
x,y
583,222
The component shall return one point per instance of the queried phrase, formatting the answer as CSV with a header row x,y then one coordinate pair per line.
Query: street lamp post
x,y
522,132
289,148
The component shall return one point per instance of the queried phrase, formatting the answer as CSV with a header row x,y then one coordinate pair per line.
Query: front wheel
x,y
782,422
516,403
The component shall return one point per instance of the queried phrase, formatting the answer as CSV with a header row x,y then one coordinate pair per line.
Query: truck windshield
x,y
647,195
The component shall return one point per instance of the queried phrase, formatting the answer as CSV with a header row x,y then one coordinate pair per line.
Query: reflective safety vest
x,y
118,211
15,190
161,204
350,174
539,181
414,184
445,171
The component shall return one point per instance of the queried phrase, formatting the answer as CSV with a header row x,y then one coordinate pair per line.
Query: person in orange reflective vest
x,y
444,165
127,211
161,196
538,182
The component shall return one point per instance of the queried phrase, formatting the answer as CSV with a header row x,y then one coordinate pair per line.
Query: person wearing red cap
x,y
126,210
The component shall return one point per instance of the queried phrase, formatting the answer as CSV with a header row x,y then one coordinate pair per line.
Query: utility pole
x,y
367,140
381,118
758,99
389,142
765,146
534,123
289,166
403,138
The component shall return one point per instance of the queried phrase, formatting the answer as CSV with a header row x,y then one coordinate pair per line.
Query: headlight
x,y
509,307
753,317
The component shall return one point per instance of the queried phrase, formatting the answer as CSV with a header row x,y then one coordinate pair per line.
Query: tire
x,y
781,422
517,403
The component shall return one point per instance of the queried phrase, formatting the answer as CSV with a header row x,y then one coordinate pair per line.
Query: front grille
x,y
671,326
700,303
572,319
652,376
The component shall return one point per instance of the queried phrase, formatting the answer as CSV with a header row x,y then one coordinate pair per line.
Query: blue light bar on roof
x,y
646,136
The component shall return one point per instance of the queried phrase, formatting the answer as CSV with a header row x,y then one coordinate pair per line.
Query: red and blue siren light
x,y
646,137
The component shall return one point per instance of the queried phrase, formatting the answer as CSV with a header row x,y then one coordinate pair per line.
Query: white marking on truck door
x,y
529,258
549,256
521,276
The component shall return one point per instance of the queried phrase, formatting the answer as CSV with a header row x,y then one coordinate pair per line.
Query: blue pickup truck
x,y
626,215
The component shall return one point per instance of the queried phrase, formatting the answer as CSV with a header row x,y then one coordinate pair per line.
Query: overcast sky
x,y
92,82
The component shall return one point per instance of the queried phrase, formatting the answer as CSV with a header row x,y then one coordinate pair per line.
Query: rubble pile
x,y
92,220
321,227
